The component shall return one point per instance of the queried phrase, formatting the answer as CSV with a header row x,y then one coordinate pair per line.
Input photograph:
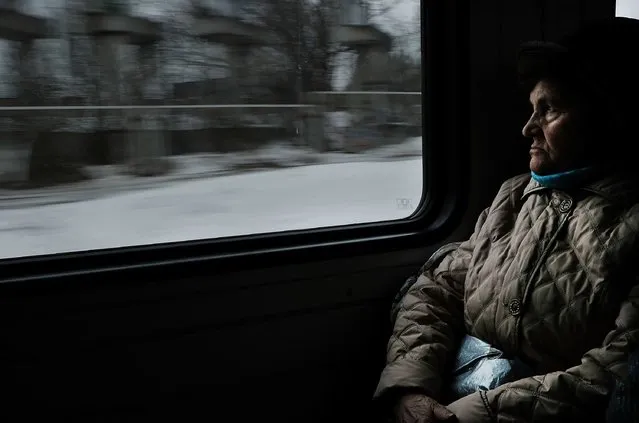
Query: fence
x,y
37,142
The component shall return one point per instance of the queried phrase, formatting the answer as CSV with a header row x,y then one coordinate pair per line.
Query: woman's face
x,y
558,131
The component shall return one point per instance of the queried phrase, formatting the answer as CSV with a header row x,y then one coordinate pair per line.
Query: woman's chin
x,y
537,166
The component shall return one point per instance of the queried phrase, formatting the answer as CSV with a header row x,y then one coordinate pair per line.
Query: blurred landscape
x,y
99,98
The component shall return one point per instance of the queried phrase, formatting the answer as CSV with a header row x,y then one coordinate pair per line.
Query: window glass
x,y
628,8
130,123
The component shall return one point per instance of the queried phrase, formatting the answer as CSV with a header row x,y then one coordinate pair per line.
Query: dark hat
x,y
600,48
600,57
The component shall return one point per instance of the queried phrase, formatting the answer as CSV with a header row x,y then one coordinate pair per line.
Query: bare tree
x,y
303,29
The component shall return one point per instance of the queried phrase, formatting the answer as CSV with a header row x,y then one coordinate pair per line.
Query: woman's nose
x,y
530,128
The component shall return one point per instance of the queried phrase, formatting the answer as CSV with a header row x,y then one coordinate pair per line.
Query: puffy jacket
x,y
548,276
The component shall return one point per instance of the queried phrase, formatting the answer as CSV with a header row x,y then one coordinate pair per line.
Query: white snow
x,y
373,188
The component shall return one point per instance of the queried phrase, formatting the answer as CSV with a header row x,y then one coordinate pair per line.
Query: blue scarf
x,y
567,180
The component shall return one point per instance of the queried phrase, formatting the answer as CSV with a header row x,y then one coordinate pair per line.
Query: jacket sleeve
x,y
580,393
428,323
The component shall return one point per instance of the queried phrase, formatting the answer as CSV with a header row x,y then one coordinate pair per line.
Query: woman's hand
x,y
418,408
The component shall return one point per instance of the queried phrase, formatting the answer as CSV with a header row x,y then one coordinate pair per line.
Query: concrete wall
x,y
108,147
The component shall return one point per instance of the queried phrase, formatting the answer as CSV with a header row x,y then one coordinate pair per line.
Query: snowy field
x,y
369,189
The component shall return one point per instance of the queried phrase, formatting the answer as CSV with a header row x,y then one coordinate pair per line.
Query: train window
x,y
627,8
129,123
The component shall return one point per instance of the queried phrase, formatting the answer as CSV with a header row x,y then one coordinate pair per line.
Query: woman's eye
x,y
547,111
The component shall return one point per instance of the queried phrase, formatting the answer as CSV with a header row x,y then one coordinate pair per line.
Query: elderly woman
x,y
549,276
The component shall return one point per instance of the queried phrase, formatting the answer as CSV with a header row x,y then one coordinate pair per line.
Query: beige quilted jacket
x,y
548,276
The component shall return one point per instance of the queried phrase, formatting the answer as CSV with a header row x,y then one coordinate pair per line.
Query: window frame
x,y
446,159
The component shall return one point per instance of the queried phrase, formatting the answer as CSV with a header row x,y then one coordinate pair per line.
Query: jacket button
x,y
514,307
565,205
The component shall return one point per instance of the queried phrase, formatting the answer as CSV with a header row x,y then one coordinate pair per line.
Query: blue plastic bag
x,y
479,366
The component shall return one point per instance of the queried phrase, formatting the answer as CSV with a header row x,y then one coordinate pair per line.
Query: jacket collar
x,y
615,187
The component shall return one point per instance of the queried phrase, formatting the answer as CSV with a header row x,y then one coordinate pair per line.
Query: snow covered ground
x,y
339,189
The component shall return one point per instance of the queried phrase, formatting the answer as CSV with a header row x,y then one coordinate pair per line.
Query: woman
x,y
549,275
